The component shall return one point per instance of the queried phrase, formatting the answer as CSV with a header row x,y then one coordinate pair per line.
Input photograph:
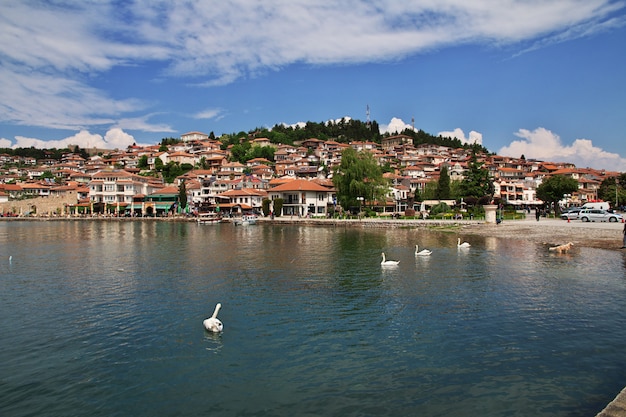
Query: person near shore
x,y
624,239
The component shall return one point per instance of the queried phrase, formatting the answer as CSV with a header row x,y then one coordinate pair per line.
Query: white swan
x,y
423,252
462,245
385,262
213,324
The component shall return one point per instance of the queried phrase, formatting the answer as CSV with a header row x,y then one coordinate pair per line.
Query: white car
x,y
597,215
571,214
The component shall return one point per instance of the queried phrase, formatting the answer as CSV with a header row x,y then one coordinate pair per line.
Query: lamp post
x,y
360,200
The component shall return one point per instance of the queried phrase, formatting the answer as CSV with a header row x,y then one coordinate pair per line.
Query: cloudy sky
x,y
535,77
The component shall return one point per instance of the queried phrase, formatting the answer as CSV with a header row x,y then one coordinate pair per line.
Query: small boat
x,y
209,218
246,220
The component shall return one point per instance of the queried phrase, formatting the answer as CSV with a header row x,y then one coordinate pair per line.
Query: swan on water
x,y
213,324
385,262
423,252
462,245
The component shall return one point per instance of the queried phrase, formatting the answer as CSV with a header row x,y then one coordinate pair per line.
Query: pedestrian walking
x,y
537,213
624,240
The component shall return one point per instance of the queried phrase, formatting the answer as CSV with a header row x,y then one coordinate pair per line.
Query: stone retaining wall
x,y
40,206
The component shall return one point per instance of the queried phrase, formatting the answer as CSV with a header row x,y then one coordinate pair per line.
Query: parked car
x,y
571,214
597,215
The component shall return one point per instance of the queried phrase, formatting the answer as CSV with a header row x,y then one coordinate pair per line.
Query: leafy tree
x,y
256,151
610,190
182,195
439,208
477,182
443,185
278,206
265,206
430,191
553,188
172,170
142,163
239,151
158,164
358,175
47,174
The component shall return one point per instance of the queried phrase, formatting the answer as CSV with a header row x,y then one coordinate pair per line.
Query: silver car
x,y
596,215
571,214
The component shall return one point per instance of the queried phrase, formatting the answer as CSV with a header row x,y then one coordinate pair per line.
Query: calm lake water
x,y
105,319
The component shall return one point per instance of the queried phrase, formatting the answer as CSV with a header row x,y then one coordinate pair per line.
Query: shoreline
x,y
546,231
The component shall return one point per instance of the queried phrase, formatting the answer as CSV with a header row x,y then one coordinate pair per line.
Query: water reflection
x,y
313,324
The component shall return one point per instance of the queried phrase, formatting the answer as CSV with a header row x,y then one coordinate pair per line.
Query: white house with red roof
x,y
303,197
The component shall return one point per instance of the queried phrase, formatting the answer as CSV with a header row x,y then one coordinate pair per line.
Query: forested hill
x,y
343,131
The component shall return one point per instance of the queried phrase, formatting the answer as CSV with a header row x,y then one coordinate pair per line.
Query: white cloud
x,y
141,123
115,138
542,144
474,137
5,143
396,125
48,68
215,114
38,99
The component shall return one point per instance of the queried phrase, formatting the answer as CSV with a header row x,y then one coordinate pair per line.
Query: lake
x,y
104,318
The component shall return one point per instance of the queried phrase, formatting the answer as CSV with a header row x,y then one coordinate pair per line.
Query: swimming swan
x,y
213,324
385,262
462,245
423,252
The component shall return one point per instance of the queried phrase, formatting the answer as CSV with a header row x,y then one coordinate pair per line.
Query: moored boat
x,y
246,220
209,218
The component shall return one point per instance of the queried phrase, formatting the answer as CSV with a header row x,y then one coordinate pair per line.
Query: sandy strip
x,y
555,232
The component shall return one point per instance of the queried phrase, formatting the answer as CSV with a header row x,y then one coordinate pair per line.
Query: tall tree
x,y
182,195
358,175
477,182
553,189
613,189
443,185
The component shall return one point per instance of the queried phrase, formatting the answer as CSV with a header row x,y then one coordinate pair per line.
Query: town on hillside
x,y
131,182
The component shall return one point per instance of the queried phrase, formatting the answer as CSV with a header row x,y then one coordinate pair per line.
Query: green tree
x,y
47,174
553,189
182,195
265,206
613,189
443,185
358,175
239,151
142,163
278,206
477,182
430,191
158,164
171,170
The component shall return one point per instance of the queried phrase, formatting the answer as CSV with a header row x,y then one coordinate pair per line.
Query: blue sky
x,y
540,78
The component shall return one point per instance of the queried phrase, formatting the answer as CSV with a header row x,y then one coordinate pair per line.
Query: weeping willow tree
x,y
358,176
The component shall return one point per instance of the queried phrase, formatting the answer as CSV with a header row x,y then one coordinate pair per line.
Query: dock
x,y
616,408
